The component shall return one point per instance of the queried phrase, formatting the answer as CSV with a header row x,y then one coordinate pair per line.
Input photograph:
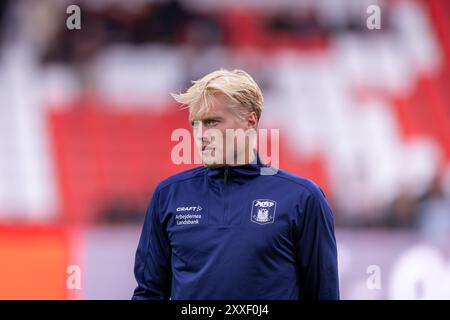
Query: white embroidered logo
x,y
263,211
188,215
185,209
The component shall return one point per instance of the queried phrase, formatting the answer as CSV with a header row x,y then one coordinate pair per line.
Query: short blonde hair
x,y
237,85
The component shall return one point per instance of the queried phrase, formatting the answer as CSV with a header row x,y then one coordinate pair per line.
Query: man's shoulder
x,y
182,176
304,184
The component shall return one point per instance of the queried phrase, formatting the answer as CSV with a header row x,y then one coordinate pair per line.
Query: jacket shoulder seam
x,y
298,183
199,175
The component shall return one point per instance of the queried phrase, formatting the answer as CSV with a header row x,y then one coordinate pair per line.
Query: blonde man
x,y
225,230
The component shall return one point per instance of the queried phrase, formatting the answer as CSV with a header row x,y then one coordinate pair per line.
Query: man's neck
x,y
249,158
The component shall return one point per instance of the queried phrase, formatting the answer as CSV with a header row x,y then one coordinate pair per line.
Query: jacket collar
x,y
250,169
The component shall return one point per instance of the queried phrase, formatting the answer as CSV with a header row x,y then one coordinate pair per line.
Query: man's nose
x,y
199,132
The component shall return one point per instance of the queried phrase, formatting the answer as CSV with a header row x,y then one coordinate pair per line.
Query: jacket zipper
x,y
225,208
225,175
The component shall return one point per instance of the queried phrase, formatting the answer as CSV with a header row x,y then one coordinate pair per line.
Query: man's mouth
x,y
206,147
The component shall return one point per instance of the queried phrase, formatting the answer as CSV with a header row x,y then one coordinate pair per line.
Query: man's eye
x,y
211,123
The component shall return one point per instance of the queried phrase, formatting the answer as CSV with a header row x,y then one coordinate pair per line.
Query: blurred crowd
x,y
173,23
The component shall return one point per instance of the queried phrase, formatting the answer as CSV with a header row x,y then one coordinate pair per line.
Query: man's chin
x,y
212,162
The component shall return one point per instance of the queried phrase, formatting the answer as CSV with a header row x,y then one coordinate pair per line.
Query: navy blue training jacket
x,y
232,233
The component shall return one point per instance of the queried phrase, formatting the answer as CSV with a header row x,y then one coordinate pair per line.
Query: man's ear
x,y
252,120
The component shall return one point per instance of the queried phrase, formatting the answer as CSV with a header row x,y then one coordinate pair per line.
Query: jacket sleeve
x,y
316,249
152,267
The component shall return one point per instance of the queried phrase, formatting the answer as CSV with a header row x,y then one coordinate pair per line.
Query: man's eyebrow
x,y
217,118
211,119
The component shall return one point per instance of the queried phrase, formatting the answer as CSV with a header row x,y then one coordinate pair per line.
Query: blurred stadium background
x,y
86,122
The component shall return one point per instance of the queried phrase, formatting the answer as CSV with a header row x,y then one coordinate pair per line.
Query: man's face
x,y
210,132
